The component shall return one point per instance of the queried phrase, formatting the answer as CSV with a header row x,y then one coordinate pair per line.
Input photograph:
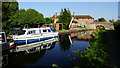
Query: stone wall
x,y
93,25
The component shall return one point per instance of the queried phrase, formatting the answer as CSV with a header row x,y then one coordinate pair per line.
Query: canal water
x,y
60,53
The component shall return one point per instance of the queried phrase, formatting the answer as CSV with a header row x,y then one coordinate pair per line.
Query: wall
x,y
94,24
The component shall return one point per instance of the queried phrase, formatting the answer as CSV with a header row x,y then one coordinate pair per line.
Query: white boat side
x,y
35,33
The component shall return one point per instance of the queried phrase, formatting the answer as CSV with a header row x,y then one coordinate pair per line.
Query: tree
x,y
111,21
117,25
101,20
48,20
65,17
8,10
30,17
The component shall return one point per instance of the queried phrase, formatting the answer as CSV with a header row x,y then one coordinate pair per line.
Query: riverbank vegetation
x,y
116,24
95,56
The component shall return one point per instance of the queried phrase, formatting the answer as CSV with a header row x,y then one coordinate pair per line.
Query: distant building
x,y
77,18
83,18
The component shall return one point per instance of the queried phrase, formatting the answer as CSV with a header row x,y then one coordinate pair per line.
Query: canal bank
x,y
103,51
96,54
73,30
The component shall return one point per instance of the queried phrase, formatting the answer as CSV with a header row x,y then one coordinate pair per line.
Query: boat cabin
x,y
37,31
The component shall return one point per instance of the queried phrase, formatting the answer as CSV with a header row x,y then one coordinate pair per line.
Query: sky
x,y
67,0
119,9
107,10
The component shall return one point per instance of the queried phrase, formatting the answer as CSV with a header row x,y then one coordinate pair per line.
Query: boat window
x,y
29,32
44,30
39,31
49,30
33,31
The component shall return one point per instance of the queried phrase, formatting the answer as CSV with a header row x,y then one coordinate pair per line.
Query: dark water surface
x,y
60,53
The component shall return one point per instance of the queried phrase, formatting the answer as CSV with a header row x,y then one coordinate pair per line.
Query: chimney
x,y
73,14
55,15
55,20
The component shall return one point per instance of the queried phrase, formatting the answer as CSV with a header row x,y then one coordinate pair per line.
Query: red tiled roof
x,y
76,16
82,16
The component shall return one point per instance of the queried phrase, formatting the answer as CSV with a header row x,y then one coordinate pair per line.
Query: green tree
x,y
111,21
48,20
101,20
30,17
117,25
8,10
65,17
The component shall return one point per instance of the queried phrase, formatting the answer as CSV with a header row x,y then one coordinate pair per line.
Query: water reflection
x,y
59,53
84,35
64,42
79,36
22,58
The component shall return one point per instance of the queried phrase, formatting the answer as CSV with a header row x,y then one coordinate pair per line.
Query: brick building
x,y
78,18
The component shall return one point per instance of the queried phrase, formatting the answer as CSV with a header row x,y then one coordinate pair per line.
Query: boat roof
x,y
35,28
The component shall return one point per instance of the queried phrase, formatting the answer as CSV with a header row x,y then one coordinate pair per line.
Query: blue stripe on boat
x,y
55,36
33,40
46,38
28,41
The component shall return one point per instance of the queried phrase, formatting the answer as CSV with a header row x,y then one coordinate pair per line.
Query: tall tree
x,y
8,10
65,17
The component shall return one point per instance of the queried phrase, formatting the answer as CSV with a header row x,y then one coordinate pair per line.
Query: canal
x,y
59,54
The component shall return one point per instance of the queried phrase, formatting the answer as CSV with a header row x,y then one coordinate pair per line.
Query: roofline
x,y
72,16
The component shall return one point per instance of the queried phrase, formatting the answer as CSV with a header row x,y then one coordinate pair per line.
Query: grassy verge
x,y
62,30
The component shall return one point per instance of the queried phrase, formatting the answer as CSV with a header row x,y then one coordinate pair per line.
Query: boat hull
x,y
21,42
